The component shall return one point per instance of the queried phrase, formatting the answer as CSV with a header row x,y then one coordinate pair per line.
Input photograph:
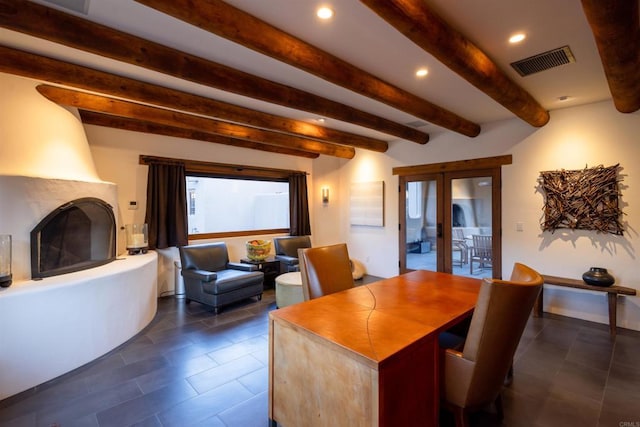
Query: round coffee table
x,y
288,289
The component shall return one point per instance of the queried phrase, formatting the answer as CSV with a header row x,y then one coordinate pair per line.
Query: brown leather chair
x,y
474,377
325,270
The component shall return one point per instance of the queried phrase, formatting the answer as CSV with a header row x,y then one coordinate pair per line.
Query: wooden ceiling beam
x,y
59,27
417,22
616,28
234,24
51,70
124,123
102,104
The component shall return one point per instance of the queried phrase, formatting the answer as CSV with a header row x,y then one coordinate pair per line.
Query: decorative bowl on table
x,y
258,250
598,276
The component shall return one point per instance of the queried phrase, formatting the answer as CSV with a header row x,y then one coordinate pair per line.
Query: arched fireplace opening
x,y
458,217
76,236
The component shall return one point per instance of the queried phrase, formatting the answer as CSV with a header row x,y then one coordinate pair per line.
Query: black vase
x,y
597,276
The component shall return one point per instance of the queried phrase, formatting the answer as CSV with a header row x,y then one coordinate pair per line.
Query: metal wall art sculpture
x,y
586,199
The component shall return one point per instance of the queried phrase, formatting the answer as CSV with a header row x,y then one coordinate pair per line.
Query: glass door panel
x,y
471,226
421,219
450,222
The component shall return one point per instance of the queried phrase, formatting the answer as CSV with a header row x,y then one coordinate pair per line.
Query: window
x,y
236,205
192,200
225,200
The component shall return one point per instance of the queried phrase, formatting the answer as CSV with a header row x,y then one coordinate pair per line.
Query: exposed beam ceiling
x,y
102,104
99,119
59,72
616,28
229,22
50,24
419,23
258,65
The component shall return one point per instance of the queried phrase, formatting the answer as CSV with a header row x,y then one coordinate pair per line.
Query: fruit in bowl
x,y
258,250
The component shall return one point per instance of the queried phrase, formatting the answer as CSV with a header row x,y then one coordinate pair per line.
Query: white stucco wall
x,y
591,135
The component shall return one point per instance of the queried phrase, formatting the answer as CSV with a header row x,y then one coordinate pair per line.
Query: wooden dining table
x,y
367,356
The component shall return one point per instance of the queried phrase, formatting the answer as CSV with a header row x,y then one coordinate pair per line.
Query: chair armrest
x,y
204,275
241,266
287,259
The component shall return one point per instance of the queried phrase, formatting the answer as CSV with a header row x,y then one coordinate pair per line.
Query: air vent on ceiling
x,y
544,61
417,124
80,6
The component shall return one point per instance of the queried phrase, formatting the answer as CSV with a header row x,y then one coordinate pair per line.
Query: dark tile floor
x,y
192,368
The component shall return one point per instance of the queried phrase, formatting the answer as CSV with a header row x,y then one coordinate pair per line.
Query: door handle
x,y
439,230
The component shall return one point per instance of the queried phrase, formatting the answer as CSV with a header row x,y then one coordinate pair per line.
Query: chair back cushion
x,y
208,256
289,245
325,270
500,316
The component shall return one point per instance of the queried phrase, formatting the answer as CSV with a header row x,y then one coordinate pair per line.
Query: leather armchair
x,y
325,270
286,249
210,279
474,377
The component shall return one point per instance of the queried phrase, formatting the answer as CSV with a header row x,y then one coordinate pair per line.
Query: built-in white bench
x,y
51,326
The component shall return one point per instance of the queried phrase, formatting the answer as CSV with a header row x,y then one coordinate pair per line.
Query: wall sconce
x,y
325,195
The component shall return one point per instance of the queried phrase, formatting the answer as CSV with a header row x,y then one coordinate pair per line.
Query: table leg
x,y
613,306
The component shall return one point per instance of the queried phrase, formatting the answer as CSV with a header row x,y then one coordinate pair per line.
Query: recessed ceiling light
x,y
517,38
324,12
564,98
422,72
320,120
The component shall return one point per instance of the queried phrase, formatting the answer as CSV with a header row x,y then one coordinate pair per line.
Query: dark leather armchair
x,y
325,270
286,249
209,277
474,377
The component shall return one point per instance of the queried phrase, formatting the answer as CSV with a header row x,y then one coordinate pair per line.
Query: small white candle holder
x,y
137,238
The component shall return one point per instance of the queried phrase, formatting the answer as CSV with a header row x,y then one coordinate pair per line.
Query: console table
x,y
612,295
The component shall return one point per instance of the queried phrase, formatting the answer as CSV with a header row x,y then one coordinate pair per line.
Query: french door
x,y
450,222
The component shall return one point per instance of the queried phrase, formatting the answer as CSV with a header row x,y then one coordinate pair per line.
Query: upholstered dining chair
x,y
473,377
325,270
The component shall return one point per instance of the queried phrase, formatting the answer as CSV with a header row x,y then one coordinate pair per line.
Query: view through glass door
x,y
422,221
449,223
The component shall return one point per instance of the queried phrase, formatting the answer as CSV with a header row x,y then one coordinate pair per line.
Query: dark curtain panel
x,y
299,205
166,214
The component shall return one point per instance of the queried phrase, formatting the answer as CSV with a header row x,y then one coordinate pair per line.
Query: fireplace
x,y
76,236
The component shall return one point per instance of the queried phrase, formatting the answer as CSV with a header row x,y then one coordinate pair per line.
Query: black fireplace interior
x,y
76,236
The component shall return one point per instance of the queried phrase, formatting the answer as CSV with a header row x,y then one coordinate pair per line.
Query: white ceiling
x,y
359,36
